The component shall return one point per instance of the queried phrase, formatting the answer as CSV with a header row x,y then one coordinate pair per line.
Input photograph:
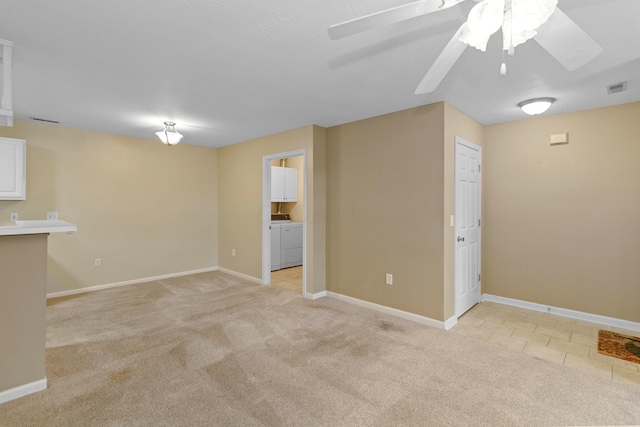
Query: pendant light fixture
x,y
536,106
169,135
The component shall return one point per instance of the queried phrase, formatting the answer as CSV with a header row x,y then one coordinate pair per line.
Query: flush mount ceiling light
x,y
169,135
536,106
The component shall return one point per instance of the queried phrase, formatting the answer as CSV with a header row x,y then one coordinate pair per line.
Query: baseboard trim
x,y
128,282
565,312
23,390
450,323
389,310
317,295
241,275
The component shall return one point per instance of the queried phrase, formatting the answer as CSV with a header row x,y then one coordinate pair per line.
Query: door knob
x,y
460,239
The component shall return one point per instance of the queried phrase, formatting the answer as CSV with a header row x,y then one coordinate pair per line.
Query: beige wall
x,y
240,201
457,124
559,223
143,208
385,195
23,263
562,223
316,269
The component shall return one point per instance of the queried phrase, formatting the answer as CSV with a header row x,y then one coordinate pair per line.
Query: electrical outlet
x,y
52,216
233,252
14,217
97,262
389,279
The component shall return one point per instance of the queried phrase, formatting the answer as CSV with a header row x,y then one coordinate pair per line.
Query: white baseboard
x,y
317,295
450,323
565,312
23,390
392,311
241,275
128,282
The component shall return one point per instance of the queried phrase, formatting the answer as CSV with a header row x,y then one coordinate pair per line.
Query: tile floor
x,y
557,339
288,278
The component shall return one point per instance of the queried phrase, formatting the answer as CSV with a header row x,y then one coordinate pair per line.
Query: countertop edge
x,y
54,227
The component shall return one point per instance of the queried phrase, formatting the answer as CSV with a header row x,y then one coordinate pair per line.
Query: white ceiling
x,y
228,71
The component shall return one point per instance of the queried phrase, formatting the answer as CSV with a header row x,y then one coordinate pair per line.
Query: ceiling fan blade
x,y
389,16
443,63
566,41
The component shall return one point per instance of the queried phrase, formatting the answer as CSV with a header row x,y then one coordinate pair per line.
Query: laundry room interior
x,y
287,222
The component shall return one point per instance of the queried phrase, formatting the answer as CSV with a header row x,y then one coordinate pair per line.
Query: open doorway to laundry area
x,y
283,225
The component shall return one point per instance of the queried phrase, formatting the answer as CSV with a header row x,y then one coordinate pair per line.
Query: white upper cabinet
x,y
290,185
13,169
284,184
277,184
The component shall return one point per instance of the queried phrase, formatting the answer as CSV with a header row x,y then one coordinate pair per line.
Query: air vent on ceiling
x,y
615,88
36,119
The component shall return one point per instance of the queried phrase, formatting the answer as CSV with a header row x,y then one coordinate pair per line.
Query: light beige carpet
x,y
211,349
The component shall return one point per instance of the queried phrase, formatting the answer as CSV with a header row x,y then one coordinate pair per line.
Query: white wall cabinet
x,y
13,169
284,184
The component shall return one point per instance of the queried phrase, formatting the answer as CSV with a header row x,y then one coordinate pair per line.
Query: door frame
x,y
461,141
266,214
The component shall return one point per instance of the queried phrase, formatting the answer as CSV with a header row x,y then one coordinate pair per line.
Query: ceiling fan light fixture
x,y
484,19
475,39
169,135
519,20
487,16
536,106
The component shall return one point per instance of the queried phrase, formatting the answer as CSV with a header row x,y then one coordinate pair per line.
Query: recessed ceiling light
x,y
536,105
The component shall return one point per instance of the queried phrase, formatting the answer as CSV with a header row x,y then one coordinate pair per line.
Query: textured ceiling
x,y
228,71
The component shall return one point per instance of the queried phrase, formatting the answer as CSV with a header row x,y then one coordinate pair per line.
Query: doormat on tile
x,y
617,345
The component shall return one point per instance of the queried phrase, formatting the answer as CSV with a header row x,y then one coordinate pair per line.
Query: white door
x,y
467,225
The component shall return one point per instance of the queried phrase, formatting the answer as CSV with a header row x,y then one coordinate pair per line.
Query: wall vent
x,y
37,119
616,88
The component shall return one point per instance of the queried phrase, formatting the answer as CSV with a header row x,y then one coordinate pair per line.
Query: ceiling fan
x,y
520,20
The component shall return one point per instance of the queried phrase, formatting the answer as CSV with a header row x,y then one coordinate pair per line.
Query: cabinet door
x,y
277,184
13,169
290,184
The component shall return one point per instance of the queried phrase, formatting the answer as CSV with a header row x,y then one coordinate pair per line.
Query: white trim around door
x,y
266,215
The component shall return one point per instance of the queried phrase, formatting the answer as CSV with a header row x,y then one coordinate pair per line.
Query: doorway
x,y
468,173
281,235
